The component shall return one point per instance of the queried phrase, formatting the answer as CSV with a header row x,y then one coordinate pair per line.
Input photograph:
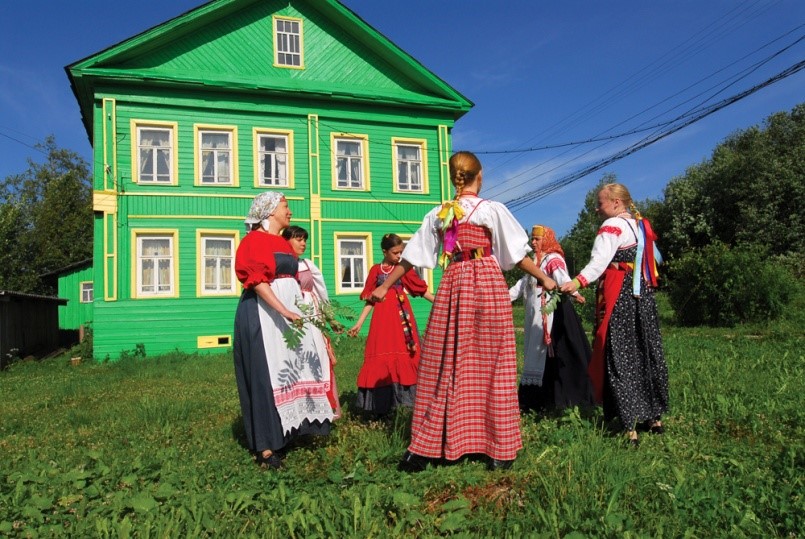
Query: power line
x,y
537,194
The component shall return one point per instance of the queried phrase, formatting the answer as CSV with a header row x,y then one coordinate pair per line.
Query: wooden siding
x,y
75,314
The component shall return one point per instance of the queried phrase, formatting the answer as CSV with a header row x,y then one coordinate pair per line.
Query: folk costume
x,y
314,293
388,376
467,387
283,392
557,351
628,368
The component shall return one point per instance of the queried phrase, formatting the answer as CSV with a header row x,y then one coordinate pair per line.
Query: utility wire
x,y
537,194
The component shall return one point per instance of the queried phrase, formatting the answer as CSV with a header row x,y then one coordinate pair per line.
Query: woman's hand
x,y
353,331
291,316
569,288
578,298
378,294
548,284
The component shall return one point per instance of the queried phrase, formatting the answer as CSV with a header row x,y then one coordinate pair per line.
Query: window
x,y
86,292
288,42
274,158
352,257
154,153
155,264
216,263
216,155
350,158
409,165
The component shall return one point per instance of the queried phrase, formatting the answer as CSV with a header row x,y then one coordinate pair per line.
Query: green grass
x,y
152,448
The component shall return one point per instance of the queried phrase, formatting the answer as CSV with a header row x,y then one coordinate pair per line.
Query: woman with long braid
x,y
627,368
466,399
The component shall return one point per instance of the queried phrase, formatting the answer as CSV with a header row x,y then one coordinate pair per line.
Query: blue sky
x,y
540,74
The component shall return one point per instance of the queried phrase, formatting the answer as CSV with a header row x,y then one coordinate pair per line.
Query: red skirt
x,y
466,399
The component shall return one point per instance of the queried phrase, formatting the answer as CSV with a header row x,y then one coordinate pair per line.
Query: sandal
x,y
272,461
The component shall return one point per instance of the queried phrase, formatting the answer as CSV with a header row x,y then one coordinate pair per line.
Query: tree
x,y
45,218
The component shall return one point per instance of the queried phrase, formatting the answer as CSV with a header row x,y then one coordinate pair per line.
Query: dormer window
x,y
288,42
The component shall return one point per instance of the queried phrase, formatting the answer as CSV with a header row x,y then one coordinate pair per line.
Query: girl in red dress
x,y
387,378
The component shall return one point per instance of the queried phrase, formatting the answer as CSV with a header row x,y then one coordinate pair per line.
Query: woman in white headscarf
x,y
283,391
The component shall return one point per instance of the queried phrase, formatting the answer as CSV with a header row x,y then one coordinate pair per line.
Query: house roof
x,y
227,44
81,264
8,295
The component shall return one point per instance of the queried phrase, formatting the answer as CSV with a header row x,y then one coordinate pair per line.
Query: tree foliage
x,y
750,191
746,198
45,218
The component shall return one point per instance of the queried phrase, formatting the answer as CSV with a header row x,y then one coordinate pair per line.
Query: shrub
x,y
720,286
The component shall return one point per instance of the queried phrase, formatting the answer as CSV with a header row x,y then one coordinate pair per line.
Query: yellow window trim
x,y
338,236
423,150
137,232
256,132
274,19
206,233
364,139
135,157
233,133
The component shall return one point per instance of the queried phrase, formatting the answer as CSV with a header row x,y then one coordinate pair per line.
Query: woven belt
x,y
623,266
284,276
471,254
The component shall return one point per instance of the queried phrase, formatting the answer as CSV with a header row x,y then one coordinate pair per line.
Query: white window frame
x,y
363,183
421,145
365,241
171,128
288,45
199,130
86,292
202,235
259,154
172,290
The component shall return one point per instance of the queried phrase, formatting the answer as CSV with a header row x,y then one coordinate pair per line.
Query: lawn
x,y
152,447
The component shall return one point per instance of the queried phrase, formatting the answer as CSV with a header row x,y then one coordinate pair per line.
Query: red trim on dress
x,y
610,230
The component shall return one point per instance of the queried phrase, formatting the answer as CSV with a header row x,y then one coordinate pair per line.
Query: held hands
x,y
578,298
548,284
378,294
568,288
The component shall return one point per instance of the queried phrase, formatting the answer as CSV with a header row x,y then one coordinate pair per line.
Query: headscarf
x,y
263,205
549,242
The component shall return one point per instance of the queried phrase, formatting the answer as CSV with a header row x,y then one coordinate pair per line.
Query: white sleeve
x,y
555,267
517,290
319,288
422,250
509,238
611,236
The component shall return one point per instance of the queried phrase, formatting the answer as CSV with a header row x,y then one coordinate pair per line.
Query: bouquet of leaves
x,y
325,320
552,299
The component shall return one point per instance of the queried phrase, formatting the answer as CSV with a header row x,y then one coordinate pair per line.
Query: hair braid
x,y
635,211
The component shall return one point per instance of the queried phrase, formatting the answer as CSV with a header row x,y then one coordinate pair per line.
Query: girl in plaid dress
x,y
466,399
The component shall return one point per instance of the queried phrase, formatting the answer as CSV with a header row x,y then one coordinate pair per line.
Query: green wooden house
x,y
191,119
74,283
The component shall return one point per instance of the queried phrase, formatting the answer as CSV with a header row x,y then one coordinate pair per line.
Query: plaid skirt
x,y
466,399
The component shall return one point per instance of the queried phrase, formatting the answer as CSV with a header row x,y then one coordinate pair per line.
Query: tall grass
x,y
154,447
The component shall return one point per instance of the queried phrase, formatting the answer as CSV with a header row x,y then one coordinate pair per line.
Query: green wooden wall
x,y
75,314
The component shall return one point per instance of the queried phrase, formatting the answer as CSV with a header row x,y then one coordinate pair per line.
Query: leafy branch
x,y
552,302
325,320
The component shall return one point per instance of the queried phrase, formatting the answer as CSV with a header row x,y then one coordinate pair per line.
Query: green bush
x,y
721,286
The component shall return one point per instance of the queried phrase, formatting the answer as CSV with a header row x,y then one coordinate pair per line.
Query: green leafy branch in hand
x,y
325,320
552,301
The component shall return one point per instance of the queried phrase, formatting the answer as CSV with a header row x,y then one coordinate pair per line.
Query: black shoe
x,y
272,461
656,429
495,464
633,442
412,463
